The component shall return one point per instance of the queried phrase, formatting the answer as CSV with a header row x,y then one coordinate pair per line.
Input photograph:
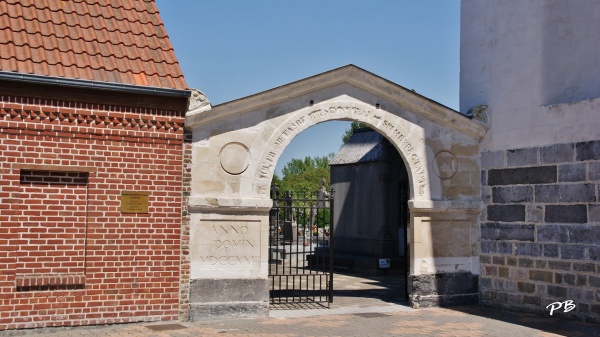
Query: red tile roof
x,y
122,41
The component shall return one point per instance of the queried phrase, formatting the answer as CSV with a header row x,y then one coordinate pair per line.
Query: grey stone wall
x,y
540,229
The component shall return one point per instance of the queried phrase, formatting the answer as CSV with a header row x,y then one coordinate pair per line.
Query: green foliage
x,y
355,125
304,176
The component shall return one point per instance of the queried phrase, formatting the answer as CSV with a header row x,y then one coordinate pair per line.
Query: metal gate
x,y
300,248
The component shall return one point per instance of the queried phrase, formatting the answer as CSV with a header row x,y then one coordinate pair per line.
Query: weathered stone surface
x,y
594,253
498,260
499,231
594,213
588,150
594,170
584,267
492,159
522,157
559,265
565,278
594,281
488,247
226,290
572,252
535,213
527,249
533,300
524,262
571,172
552,233
526,287
557,291
540,275
199,312
566,213
550,250
526,175
558,153
512,194
565,193
506,213
443,284
504,247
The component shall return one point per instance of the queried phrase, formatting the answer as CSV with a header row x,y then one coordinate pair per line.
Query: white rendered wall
x,y
536,64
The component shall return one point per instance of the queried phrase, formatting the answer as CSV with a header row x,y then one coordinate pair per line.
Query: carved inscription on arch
x,y
224,244
341,111
417,165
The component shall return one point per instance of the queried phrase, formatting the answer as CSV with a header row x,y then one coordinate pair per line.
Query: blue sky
x,y
231,49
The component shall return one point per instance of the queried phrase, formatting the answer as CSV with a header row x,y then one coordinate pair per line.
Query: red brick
x,y
122,154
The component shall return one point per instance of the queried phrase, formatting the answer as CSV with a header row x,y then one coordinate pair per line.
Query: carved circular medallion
x,y
445,165
235,158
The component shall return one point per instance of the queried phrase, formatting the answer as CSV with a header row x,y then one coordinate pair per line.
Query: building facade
x,y
92,105
535,65
110,211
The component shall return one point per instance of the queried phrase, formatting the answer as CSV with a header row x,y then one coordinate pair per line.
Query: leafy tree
x,y
354,126
304,176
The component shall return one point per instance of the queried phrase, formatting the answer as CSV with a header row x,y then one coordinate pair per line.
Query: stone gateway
x,y
229,211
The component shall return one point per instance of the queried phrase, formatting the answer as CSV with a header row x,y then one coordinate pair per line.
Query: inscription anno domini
x,y
228,243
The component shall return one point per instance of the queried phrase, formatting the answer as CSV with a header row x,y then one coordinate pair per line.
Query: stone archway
x,y
236,146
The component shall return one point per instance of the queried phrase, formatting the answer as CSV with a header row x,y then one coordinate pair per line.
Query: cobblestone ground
x,y
363,306
460,321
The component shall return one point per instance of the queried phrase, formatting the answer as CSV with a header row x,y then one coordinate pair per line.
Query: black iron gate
x,y
300,248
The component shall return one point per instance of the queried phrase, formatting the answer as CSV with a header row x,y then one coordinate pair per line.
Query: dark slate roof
x,y
119,41
364,146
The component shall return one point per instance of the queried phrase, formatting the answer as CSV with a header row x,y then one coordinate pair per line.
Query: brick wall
x,y
540,231
68,255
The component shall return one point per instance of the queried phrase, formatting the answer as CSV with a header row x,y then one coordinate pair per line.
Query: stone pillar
x,y
444,267
229,264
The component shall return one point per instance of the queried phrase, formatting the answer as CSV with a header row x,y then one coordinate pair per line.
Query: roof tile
x,y
121,41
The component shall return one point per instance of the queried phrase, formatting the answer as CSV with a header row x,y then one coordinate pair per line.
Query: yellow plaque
x,y
134,202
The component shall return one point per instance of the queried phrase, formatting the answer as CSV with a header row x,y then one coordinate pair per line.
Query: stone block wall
x,y
540,229
68,254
